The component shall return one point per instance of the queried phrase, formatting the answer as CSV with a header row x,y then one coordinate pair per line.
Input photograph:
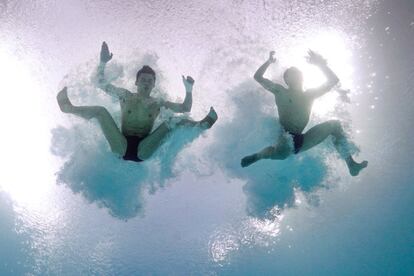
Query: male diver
x,y
294,107
135,141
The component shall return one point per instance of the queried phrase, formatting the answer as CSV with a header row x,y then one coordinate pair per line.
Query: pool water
x,y
69,207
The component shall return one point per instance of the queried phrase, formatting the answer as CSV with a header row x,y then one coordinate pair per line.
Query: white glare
x,y
24,142
333,47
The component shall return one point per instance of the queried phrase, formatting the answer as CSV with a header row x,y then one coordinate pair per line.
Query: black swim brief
x,y
297,141
132,148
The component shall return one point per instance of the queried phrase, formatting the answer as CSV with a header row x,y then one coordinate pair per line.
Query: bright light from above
x,y
333,47
24,139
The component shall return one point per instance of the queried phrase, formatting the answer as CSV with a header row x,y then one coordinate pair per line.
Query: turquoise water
x,y
68,207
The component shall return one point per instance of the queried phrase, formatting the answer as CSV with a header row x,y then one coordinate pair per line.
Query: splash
x,y
91,169
269,183
270,186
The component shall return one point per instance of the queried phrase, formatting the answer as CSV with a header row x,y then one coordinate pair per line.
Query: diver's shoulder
x,y
279,88
126,93
280,91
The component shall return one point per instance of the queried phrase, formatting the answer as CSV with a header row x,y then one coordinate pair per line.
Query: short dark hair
x,y
145,69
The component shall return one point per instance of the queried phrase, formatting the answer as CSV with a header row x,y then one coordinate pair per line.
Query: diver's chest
x,y
140,107
293,101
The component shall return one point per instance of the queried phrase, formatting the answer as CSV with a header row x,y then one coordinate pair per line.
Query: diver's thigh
x,y
151,143
113,135
316,135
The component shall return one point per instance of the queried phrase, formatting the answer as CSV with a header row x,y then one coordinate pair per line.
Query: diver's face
x,y
145,83
294,79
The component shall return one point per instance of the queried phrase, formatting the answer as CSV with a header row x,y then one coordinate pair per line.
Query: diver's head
x,y
145,81
293,78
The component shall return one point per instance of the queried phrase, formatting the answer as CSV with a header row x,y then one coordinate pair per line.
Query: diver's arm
x,y
106,86
102,82
188,101
267,84
332,80
331,77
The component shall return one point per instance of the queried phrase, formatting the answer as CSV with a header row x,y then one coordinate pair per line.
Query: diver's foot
x,y
354,167
210,119
63,101
248,160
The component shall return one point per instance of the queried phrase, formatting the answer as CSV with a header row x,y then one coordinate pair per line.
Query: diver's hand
x,y
105,55
188,83
315,58
272,58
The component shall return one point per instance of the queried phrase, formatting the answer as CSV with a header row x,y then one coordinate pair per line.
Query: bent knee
x,y
334,123
336,127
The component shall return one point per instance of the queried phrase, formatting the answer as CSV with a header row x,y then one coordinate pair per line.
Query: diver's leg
x,y
279,152
320,132
205,123
116,140
153,141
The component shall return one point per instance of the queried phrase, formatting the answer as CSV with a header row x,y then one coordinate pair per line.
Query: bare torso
x,y
294,108
138,114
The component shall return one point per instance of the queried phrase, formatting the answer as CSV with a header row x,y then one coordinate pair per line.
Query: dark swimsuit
x,y
297,141
132,148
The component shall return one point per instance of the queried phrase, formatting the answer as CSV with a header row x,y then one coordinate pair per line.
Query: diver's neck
x,y
143,94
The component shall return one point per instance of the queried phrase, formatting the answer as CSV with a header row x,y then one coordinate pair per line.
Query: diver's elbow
x,y
335,80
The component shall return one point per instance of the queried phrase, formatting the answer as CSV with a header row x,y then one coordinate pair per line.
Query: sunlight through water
x,y
26,139
68,205
335,47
